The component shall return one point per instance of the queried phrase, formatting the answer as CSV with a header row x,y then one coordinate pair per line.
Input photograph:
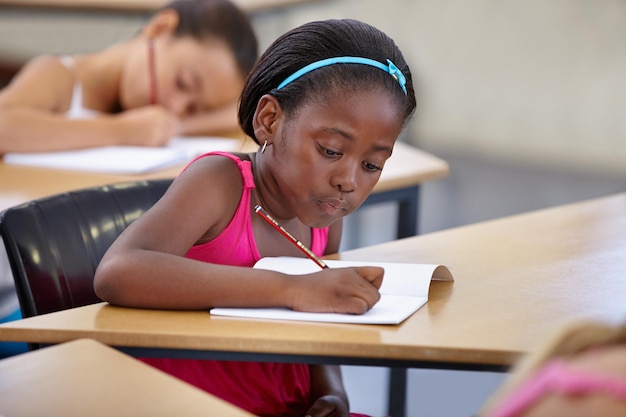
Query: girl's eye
x,y
335,154
330,152
371,167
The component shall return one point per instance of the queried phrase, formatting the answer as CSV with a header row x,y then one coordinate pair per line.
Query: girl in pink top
x,y
326,102
581,373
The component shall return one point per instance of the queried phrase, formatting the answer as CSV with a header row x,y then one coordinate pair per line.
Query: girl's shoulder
x,y
210,189
60,68
219,160
43,82
221,171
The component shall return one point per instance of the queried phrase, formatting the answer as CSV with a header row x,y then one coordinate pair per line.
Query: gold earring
x,y
264,147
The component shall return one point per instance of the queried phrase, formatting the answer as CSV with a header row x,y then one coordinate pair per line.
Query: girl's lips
x,y
332,206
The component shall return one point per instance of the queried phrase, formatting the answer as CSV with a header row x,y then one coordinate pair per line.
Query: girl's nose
x,y
345,177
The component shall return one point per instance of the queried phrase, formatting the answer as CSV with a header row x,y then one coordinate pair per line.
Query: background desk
x,y
400,180
85,378
517,280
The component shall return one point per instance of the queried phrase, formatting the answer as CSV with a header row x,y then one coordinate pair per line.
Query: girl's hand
x,y
147,126
328,406
337,290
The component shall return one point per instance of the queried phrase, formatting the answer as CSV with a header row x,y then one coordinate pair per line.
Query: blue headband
x,y
391,69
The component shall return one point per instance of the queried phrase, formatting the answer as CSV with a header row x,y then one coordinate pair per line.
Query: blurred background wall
x,y
526,99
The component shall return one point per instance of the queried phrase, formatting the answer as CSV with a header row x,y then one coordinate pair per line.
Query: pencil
x,y
261,212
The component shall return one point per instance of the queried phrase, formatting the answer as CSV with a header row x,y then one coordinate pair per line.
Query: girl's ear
x,y
265,122
164,22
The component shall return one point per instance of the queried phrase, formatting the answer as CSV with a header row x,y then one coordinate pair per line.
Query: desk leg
x,y
408,208
397,392
408,211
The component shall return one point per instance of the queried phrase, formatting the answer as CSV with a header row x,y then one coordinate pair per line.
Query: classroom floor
x,y
477,189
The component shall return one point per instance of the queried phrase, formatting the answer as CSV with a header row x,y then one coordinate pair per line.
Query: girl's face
x,y
191,76
326,160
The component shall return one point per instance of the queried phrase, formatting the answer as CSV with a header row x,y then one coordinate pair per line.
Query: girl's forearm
x,y
144,279
27,130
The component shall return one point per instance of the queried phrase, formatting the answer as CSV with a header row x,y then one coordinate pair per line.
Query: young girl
x,y
326,102
581,372
182,74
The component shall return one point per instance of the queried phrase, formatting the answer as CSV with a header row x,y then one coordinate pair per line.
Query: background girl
x,y
181,75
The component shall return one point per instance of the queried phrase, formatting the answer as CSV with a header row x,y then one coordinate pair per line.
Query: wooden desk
x,y
85,378
517,280
400,181
19,184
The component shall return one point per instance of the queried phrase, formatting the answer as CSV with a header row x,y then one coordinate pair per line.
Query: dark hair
x,y
320,40
218,19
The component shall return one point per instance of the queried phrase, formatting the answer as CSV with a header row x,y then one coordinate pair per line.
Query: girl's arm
x,y
146,267
33,107
328,393
31,130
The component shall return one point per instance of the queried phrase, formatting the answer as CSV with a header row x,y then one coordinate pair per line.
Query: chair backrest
x,y
54,244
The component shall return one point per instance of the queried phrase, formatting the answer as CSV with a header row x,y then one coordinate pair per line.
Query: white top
x,y
76,111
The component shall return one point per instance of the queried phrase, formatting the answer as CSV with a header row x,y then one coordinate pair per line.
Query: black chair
x,y
54,244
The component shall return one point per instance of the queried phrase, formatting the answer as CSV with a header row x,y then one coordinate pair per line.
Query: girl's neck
x,y
266,192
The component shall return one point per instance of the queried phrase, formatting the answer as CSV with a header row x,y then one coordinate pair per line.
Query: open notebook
x,y
404,290
126,159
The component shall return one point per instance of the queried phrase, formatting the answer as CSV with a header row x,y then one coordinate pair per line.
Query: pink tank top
x,y
264,389
558,378
236,245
